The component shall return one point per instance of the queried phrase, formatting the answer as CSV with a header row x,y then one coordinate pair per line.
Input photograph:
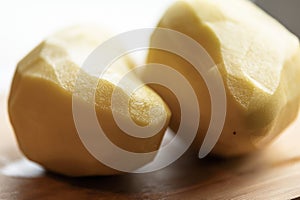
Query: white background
x,y
25,23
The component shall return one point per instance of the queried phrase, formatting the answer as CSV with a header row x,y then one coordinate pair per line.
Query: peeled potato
x,y
259,61
40,105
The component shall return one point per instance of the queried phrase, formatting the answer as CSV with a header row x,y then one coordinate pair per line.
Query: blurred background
x,y
25,23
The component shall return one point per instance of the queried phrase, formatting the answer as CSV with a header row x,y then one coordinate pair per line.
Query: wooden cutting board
x,y
273,173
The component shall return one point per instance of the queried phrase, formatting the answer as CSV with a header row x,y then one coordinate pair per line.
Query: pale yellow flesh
x,y
40,105
259,61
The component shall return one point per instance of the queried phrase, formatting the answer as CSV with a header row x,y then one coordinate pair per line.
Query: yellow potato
x,y
259,61
40,105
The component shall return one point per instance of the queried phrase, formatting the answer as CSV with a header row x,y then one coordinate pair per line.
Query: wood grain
x,y
273,173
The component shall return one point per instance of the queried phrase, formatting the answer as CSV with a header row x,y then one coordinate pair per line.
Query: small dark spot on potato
x,y
234,133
